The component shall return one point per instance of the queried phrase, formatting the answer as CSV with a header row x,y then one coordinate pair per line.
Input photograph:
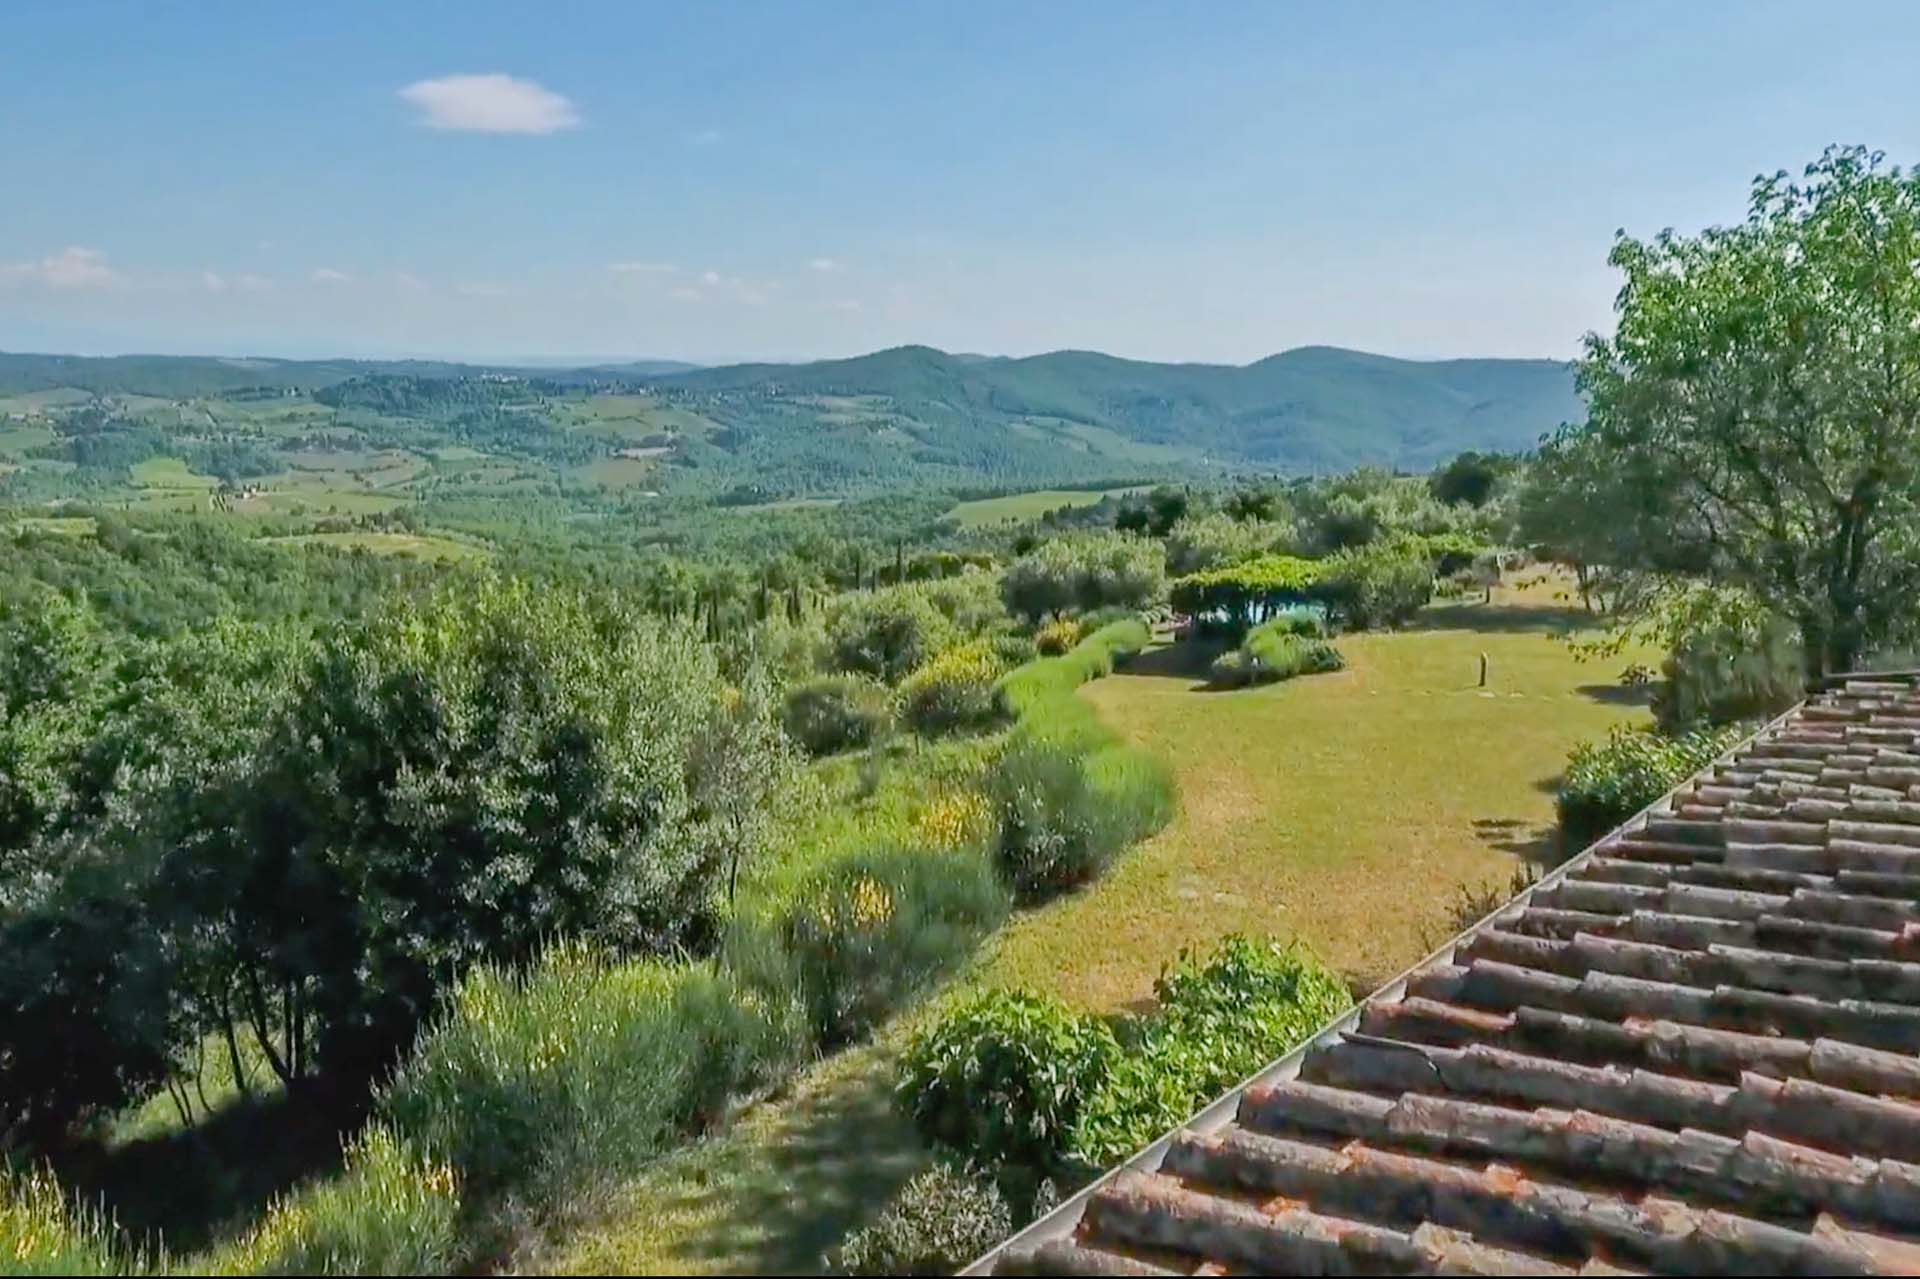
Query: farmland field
x,y
1018,507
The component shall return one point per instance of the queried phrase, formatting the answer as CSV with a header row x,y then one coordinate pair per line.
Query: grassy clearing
x,y
170,473
69,525
419,546
1342,809
1017,507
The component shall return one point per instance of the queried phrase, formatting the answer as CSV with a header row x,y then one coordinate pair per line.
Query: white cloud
x,y
251,283
409,281
327,275
705,137
642,268
71,268
710,277
213,282
492,103
482,290
684,294
823,264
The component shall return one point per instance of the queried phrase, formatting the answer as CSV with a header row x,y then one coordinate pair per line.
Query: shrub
x,y
1730,667
954,691
1001,1078
41,1233
583,1066
1218,1021
1094,572
1276,650
888,633
940,1221
1608,782
861,935
389,1213
1056,637
836,713
1054,833
1012,648
1377,585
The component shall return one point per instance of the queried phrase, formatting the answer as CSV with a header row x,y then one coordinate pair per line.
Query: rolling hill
x,y
906,418
1309,409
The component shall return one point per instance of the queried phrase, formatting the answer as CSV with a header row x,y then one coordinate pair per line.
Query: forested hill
x,y
906,419
1309,409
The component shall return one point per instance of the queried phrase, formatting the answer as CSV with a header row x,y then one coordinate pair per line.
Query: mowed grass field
x,y
1344,810
1020,507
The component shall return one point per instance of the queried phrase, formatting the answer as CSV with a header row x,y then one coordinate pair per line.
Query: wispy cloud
x,y
492,103
482,290
71,268
823,264
705,137
213,282
328,275
642,268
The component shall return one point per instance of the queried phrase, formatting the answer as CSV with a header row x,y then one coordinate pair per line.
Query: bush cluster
x,y
1057,637
1001,1077
940,1221
1013,1080
1609,781
953,692
852,941
835,713
1219,1019
1277,650
580,1062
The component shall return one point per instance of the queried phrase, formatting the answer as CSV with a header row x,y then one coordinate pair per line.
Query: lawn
x,y
170,473
1016,507
1345,810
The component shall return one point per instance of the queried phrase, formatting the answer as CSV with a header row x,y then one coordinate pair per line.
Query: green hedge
x,y
1609,781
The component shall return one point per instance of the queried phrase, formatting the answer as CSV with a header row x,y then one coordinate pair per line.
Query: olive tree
x,y
1764,381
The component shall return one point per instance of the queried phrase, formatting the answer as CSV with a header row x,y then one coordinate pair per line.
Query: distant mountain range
x,y
1309,409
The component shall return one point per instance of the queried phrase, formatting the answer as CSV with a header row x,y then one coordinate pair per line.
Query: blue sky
x,y
1206,182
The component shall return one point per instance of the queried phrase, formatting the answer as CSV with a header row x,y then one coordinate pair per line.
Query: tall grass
x,y
390,1213
41,1233
581,1067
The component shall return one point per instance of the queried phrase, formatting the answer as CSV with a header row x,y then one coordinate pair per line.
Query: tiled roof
x,y
1690,1049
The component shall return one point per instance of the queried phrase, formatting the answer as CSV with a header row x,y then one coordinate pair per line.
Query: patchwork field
x,y
1019,507
1344,810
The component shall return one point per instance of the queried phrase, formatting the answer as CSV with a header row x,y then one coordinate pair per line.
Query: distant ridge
x,y
1313,408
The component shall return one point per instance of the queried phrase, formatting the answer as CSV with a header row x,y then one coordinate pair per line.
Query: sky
x,y
493,179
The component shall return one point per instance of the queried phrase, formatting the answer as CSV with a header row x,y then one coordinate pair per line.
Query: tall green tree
x,y
1765,378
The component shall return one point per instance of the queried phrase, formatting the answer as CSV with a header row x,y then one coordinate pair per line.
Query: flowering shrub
x,y
953,691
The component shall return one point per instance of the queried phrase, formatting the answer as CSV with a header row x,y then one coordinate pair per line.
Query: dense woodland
x,y
377,772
